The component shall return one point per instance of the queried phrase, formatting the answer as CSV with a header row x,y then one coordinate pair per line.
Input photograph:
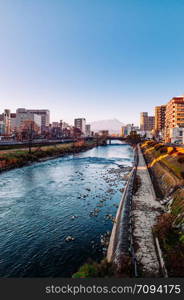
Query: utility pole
x,y
30,136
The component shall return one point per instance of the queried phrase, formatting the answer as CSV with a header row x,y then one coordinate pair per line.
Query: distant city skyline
x,y
95,59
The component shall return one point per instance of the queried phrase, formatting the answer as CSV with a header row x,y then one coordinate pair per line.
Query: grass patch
x,y
170,226
17,158
105,269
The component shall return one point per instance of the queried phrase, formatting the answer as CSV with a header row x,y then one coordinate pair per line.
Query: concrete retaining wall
x,y
120,240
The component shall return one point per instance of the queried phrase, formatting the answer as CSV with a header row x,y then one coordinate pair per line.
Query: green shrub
x,y
94,270
87,271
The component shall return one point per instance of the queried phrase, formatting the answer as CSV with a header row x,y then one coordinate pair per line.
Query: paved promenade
x,y
145,210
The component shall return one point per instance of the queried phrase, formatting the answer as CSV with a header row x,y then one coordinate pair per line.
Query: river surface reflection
x,y
37,203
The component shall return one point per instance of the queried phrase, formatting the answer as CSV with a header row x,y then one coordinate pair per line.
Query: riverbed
x,y
41,205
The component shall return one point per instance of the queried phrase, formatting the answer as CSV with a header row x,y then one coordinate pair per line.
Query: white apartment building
x,y
23,115
44,115
177,135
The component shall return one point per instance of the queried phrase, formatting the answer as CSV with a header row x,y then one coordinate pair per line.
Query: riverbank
x,y
157,217
166,167
145,210
16,158
45,203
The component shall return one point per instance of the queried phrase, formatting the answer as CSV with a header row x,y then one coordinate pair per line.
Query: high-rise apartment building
x,y
88,130
174,115
144,121
147,123
80,123
160,114
151,123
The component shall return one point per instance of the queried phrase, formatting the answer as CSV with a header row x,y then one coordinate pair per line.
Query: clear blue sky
x,y
97,59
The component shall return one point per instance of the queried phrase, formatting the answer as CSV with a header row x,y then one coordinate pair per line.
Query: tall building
x,y
6,116
1,124
5,127
13,122
174,115
144,121
151,123
160,114
45,117
147,123
88,130
23,115
80,123
43,113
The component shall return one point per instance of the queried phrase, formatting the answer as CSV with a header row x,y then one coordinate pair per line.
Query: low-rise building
x,y
177,135
103,133
127,129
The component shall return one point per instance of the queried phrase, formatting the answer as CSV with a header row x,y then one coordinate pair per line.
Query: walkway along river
x,y
43,204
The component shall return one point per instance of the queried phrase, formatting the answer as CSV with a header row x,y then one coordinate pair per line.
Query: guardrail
x,y
121,242
163,269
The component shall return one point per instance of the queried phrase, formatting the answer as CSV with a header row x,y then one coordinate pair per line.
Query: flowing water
x,y
37,203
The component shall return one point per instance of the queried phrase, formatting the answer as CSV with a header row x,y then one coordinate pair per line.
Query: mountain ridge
x,y
112,125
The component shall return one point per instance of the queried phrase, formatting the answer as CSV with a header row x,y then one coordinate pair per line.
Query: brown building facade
x,y
174,115
147,123
160,114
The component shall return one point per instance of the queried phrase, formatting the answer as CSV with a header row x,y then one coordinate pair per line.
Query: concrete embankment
x,y
120,244
145,211
114,239
132,233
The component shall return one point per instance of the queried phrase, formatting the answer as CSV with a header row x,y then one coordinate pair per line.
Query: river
x,y
42,204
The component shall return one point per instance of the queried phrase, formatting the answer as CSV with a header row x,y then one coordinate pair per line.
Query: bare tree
x,y
28,131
